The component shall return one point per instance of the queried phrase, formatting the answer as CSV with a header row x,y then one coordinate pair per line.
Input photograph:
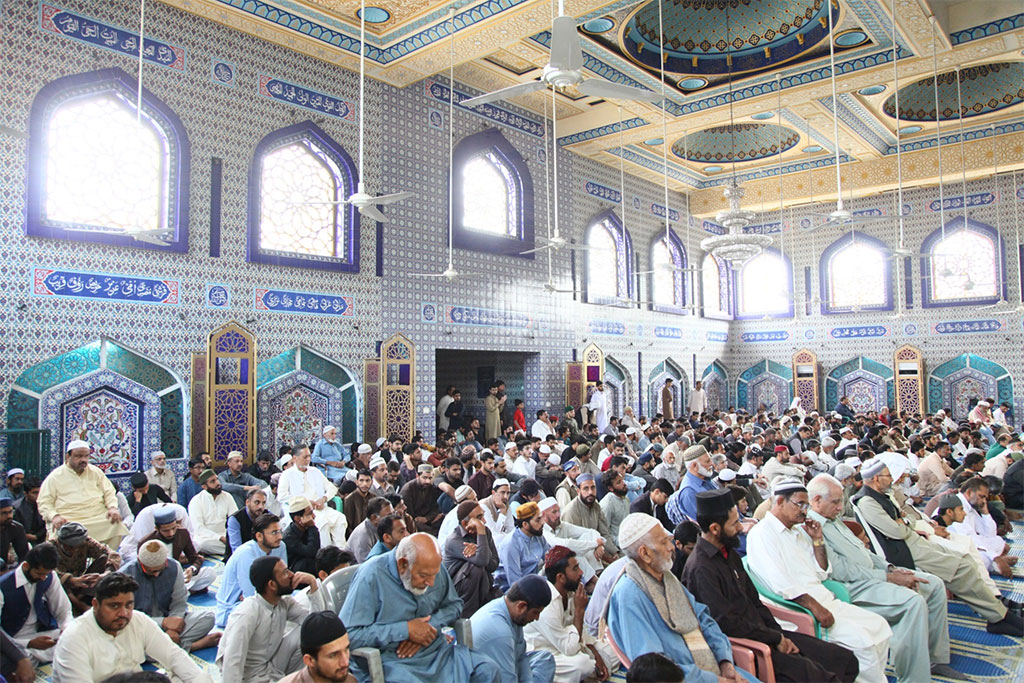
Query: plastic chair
x,y
804,622
337,586
836,588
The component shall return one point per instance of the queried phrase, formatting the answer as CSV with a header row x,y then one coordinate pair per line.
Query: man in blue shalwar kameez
x,y
498,631
650,611
398,603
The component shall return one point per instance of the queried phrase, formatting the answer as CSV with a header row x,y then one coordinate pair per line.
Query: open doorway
x,y
473,371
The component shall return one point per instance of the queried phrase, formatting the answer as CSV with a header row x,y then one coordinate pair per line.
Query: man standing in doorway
x,y
493,405
698,399
598,407
667,400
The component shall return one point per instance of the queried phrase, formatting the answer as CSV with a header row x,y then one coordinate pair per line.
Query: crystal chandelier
x,y
735,247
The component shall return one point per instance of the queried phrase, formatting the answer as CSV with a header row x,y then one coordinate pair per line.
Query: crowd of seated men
x,y
574,547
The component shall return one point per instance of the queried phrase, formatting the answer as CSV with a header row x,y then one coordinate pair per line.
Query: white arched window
x,y
489,198
101,170
668,259
609,271
964,268
715,305
298,178
764,287
856,275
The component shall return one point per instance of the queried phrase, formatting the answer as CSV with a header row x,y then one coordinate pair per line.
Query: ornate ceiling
x,y
770,47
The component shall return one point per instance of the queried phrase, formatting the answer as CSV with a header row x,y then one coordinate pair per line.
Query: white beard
x,y
407,583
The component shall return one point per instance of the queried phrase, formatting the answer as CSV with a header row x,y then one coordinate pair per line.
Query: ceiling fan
x,y
550,285
365,202
842,215
449,273
565,68
157,236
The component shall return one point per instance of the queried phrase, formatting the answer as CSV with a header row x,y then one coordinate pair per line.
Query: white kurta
x,y
86,653
60,608
598,408
555,632
313,485
210,515
981,529
524,467
698,402
580,540
784,560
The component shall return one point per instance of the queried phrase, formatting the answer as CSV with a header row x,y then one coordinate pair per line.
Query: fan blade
x,y
11,132
392,198
505,93
596,87
537,250
340,201
371,211
566,53
428,274
861,220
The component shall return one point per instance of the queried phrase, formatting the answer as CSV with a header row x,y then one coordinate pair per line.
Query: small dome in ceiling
x,y
984,89
751,140
760,33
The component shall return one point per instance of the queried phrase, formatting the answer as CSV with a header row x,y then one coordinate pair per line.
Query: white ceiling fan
x,y
565,68
365,202
842,215
549,150
157,236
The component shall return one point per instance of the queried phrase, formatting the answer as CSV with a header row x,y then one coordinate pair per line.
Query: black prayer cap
x,y
319,629
715,503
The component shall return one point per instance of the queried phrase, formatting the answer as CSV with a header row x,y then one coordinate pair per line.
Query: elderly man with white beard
x,y
310,483
404,602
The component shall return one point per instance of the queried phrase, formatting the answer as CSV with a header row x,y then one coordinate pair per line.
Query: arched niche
x,y
766,382
868,383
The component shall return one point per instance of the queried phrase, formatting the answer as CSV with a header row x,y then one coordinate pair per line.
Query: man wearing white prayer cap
x,y
787,552
650,611
586,543
329,455
78,491
451,519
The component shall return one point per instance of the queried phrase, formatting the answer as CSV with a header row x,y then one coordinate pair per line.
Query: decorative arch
x,y
607,233
298,393
671,253
774,274
668,369
716,385
124,403
765,382
716,288
868,383
967,377
859,264
293,157
230,392
97,138
398,386
962,250
489,154
617,383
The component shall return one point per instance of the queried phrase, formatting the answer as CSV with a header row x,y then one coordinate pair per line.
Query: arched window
x,y
965,265
668,289
296,174
101,171
609,265
715,288
764,287
493,196
855,275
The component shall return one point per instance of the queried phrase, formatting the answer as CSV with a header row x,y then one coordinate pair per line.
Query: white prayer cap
x,y
153,554
376,461
853,461
486,450
845,429
364,449
284,460
843,471
783,485
329,428
897,463
77,443
785,419
828,441
462,493
509,445
726,475
545,449
985,404
974,450
940,413
872,468
547,503
380,441
554,460
234,454
631,431
634,527
499,482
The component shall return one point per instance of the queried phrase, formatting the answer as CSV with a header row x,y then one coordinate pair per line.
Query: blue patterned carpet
x,y
973,651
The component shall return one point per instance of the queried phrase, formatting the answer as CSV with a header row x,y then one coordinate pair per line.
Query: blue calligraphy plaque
x,y
309,303
48,282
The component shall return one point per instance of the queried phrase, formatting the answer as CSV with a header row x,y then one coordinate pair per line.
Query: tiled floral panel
x,y
295,409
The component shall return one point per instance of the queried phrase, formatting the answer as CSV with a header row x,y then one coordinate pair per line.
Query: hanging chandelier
x,y
735,246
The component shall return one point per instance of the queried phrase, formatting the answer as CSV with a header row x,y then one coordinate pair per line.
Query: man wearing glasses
x,y
787,552
235,584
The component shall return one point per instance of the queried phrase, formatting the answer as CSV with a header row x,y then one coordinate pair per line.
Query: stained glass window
x,y
297,185
667,278
608,264
764,286
857,277
964,266
489,196
711,286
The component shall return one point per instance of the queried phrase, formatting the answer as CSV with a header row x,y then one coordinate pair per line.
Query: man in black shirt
x,y
301,538
13,544
26,512
145,494
715,576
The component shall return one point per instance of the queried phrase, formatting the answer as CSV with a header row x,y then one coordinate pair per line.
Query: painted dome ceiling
x,y
756,33
750,140
984,88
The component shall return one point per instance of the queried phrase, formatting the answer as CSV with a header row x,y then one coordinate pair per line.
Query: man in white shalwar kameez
x,y
979,526
698,401
309,482
209,511
586,543
598,408
788,554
